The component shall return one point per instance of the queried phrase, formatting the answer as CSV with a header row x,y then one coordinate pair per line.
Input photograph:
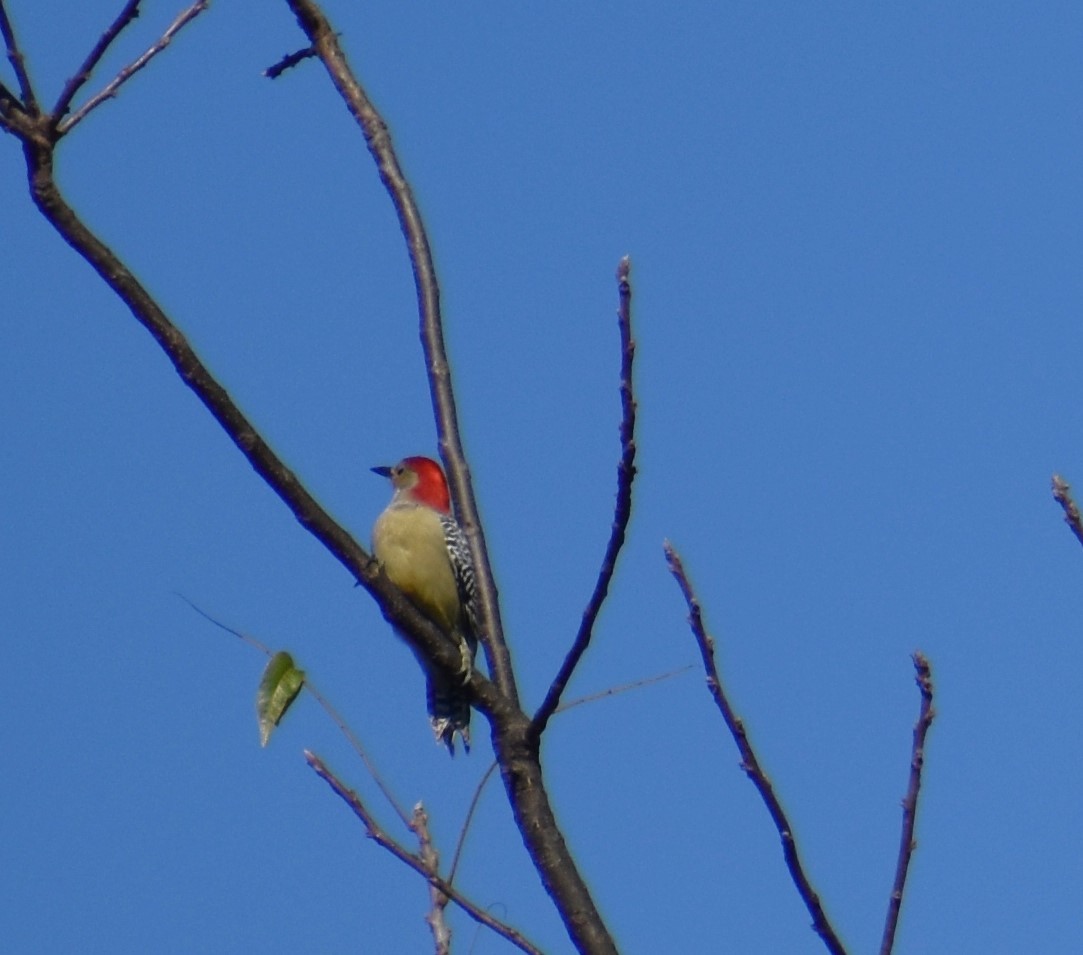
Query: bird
x,y
424,553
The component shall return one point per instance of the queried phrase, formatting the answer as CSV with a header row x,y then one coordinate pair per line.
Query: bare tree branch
x,y
18,63
126,16
372,828
430,858
749,763
288,62
185,16
924,680
1062,494
622,513
317,28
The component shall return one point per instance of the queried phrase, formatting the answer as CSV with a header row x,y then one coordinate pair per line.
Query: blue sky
x,y
856,240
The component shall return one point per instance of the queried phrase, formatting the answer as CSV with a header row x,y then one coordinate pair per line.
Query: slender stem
x,y
749,762
924,680
377,137
622,511
465,828
622,688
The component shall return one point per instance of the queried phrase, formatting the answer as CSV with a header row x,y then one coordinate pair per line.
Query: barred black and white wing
x,y
448,703
462,564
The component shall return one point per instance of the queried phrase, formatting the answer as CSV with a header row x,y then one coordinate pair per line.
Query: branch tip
x,y
1062,494
622,511
923,677
18,64
289,61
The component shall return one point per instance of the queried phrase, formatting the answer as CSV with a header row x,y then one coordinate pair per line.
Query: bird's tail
x,y
449,711
447,699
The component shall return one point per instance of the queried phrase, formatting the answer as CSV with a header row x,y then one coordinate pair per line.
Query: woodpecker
x,y
424,554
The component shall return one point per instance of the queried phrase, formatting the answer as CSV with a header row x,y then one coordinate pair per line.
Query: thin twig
x,y
381,838
924,680
289,61
430,858
622,511
126,73
623,688
18,63
240,635
465,828
355,744
378,139
1062,494
749,763
325,705
126,16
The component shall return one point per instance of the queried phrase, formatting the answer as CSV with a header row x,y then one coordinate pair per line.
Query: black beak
x,y
383,470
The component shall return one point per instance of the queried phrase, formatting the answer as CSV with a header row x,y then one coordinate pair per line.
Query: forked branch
x,y
377,834
83,74
113,86
430,859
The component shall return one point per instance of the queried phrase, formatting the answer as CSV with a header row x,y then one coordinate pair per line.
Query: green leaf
x,y
281,683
